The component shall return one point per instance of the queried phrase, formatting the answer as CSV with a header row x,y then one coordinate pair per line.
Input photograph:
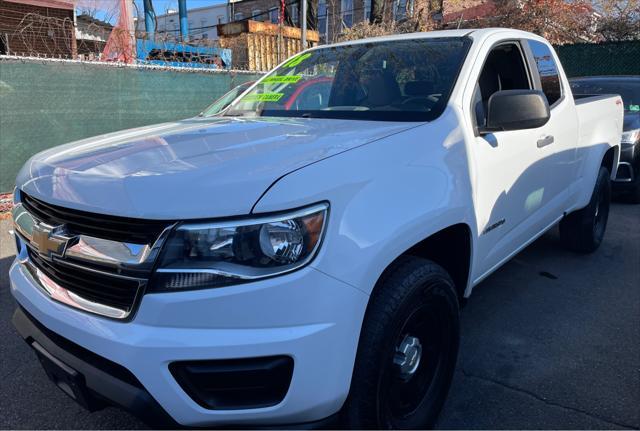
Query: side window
x,y
504,69
548,70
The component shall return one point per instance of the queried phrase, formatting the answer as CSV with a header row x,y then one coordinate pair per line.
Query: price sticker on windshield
x,y
297,60
282,79
264,97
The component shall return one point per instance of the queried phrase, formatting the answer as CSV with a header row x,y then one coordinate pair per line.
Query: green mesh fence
x,y
46,103
609,58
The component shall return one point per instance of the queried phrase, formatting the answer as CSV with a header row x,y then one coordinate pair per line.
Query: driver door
x,y
513,187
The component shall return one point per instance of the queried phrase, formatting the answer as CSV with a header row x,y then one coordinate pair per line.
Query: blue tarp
x,y
182,55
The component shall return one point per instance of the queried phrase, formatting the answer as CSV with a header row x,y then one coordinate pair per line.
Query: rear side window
x,y
548,70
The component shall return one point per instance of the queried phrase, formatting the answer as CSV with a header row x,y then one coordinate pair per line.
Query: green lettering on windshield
x,y
264,97
297,60
282,79
634,108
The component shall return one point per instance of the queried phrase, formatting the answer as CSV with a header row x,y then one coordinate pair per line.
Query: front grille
x,y
122,229
91,285
104,275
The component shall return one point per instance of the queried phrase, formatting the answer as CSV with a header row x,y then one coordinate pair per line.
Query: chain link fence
x,y
44,103
34,34
607,58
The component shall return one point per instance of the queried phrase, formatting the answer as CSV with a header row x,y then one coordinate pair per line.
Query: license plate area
x,y
70,381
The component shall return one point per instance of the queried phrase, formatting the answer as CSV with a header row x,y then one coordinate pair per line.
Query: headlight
x,y
204,255
631,136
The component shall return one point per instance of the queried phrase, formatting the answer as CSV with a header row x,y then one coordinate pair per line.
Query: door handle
x,y
547,140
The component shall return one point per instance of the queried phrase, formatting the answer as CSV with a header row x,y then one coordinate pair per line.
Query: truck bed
x,y
600,121
587,98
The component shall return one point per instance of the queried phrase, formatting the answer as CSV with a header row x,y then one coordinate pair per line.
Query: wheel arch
x,y
610,160
450,248
596,157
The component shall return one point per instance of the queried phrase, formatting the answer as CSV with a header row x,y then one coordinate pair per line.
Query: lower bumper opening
x,y
234,384
625,172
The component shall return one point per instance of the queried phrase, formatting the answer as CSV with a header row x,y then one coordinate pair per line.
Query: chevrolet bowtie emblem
x,y
49,240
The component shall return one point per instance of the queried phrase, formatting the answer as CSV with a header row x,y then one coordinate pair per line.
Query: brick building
x,y
91,35
336,15
333,15
37,27
201,21
468,11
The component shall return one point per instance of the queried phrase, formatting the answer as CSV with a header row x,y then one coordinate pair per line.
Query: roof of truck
x,y
429,34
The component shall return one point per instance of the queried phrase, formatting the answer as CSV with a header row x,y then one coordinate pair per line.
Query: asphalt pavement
x,y
550,341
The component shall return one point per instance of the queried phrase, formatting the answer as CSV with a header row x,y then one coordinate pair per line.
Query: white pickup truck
x,y
302,257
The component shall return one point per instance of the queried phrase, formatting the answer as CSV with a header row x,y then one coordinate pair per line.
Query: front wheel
x,y
407,351
582,231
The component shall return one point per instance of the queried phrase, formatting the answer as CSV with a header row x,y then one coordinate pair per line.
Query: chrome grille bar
x,y
99,275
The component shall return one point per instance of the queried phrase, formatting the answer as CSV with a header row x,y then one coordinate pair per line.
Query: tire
x,y
582,231
416,298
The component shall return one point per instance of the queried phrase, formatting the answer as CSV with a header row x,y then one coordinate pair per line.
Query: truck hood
x,y
195,168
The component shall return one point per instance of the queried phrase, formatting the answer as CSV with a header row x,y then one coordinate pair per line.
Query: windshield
x,y
629,90
405,80
225,100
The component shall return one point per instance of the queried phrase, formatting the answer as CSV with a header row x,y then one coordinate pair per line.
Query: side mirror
x,y
515,110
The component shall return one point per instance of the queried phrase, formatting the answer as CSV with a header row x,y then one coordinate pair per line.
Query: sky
x,y
161,6
105,8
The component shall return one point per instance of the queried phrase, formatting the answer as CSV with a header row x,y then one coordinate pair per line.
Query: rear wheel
x,y
582,231
407,350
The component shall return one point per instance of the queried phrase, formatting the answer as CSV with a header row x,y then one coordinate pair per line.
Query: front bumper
x,y
628,167
306,315
105,381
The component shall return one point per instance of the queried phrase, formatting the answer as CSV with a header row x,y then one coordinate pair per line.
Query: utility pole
x,y
149,20
184,24
127,9
304,24
74,42
281,53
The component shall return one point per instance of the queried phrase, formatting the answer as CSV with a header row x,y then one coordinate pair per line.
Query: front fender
x,y
385,197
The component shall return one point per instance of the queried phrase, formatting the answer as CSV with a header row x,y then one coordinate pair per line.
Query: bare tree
x,y
419,15
620,19
377,11
559,21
